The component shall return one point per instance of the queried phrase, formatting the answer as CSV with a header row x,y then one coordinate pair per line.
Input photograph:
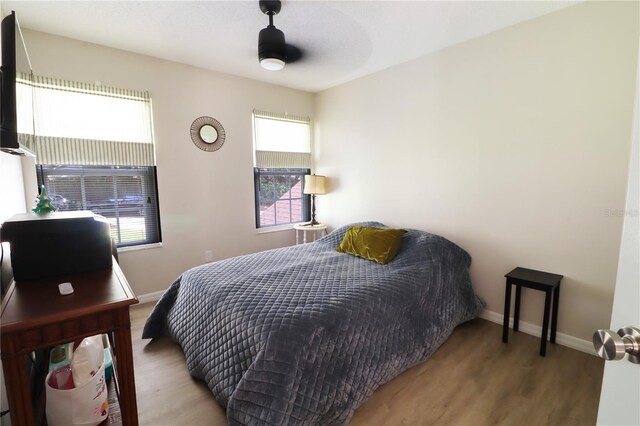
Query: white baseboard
x,y
536,330
150,297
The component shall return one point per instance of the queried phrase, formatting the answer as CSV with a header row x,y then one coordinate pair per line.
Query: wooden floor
x,y
473,379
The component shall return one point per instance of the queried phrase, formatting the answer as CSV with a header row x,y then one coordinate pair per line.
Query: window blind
x,y
126,196
281,141
89,124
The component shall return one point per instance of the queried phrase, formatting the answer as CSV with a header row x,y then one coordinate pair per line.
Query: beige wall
x,y
206,198
514,145
11,189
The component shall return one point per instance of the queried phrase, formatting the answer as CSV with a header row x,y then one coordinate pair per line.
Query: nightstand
x,y
36,316
536,280
315,230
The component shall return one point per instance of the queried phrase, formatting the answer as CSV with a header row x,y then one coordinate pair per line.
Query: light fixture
x,y
271,42
272,64
314,185
273,51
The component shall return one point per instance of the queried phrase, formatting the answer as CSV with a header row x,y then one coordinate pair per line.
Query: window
x,y
94,151
126,196
279,197
282,158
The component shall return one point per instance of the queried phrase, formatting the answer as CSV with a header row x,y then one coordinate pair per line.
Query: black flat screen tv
x,y
15,60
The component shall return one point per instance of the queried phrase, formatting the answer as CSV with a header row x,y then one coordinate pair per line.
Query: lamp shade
x,y
314,184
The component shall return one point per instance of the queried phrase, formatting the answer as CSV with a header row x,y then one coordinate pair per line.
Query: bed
x,y
305,334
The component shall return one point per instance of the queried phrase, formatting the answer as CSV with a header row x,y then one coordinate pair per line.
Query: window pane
x,y
283,212
272,188
296,186
296,211
267,216
279,197
64,191
126,196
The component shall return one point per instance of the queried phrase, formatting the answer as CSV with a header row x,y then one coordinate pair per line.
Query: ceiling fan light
x,y
272,64
271,48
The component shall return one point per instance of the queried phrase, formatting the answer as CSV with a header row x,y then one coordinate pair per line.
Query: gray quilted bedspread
x,y
304,334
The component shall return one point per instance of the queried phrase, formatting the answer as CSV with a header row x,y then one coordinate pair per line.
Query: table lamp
x,y
314,185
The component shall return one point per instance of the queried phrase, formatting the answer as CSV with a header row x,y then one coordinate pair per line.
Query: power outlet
x,y
208,255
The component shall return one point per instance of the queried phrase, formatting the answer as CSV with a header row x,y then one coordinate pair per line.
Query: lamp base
x,y
313,211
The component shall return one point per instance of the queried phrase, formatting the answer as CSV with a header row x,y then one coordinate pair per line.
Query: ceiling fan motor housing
x,y
271,44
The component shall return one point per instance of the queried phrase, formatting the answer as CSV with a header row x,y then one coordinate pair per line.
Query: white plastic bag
x,y
85,405
87,359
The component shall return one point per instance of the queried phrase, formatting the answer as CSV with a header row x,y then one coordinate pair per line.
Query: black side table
x,y
537,280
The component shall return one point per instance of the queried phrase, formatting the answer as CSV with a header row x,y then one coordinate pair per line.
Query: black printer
x,y
58,243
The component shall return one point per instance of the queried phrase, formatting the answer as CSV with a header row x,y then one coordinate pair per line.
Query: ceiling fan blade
x,y
292,53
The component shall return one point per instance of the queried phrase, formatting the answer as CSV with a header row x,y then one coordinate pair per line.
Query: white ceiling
x,y
342,40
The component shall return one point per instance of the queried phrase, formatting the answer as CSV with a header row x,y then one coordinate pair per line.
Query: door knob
x,y
613,346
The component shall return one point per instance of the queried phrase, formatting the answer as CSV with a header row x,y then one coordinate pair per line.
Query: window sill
x,y
139,247
278,228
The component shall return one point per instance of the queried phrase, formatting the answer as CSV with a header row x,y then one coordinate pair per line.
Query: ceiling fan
x,y
273,51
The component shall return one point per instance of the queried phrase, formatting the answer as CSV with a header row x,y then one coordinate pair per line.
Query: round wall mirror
x,y
207,133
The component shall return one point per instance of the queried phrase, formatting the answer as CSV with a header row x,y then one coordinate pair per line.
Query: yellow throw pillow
x,y
377,244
